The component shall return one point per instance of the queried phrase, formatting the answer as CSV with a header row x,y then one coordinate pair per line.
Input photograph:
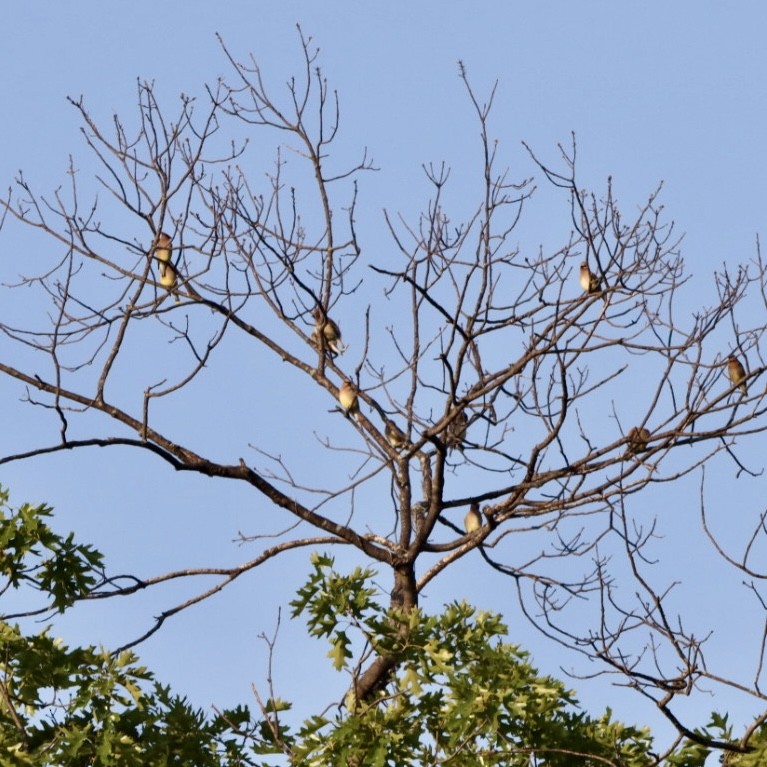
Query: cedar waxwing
x,y
169,278
456,431
472,521
347,396
638,437
395,436
589,281
737,373
327,330
163,249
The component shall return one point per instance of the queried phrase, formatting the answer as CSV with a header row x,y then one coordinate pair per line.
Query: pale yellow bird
x,y
347,396
737,373
472,521
395,436
169,278
589,281
163,250
326,330
638,437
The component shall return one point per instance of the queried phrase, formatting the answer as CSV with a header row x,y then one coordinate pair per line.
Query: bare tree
x,y
503,357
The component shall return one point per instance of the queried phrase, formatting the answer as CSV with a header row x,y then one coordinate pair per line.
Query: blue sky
x,y
654,91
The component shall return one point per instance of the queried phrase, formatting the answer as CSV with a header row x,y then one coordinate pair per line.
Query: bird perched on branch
x,y
737,373
638,437
394,435
472,521
169,278
347,396
163,249
456,431
589,281
326,334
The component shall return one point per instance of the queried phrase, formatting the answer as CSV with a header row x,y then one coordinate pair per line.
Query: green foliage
x,y
459,694
33,555
756,756
85,706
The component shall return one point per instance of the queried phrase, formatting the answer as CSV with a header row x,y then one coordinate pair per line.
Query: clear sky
x,y
654,91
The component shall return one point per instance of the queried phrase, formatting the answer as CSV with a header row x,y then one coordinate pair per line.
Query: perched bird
x,y
472,521
589,281
737,373
456,431
327,334
638,437
163,248
169,278
347,396
394,435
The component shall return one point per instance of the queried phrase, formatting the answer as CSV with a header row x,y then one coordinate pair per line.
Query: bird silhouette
x,y
589,281
737,373
347,396
163,250
472,521
638,437
456,431
169,278
327,334
394,435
